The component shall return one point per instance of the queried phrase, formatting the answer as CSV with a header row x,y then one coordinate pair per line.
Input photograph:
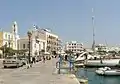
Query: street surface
x,y
40,73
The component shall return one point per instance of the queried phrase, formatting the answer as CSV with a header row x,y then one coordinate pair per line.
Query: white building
x,y
37,42
10,38
42,39
23,44
101,47
114,48
51,41
74,46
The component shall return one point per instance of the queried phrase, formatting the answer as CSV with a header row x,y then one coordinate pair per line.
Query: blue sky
x,y
70,19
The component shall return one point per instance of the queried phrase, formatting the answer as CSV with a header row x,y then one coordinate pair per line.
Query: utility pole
x,y
29,41
93,45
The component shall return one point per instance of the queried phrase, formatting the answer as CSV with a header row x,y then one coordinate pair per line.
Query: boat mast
x,y
93,45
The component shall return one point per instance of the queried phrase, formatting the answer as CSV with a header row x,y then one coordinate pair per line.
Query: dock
x,y
67,74
39,73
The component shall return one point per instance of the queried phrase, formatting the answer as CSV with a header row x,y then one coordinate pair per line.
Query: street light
x,y
29,37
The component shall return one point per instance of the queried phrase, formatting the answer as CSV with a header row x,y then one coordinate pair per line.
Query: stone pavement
x,y
40,73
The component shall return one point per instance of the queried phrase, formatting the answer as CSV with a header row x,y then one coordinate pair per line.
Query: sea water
x,y
93,78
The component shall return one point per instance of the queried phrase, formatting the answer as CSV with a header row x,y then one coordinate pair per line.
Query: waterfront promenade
x,y
40,73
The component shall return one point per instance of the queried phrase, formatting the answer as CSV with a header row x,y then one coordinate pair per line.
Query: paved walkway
x,y
40,73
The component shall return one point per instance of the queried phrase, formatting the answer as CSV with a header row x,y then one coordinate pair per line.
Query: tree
x,y
6,51
21,52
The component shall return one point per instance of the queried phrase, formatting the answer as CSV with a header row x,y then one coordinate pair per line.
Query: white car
x,y
12,61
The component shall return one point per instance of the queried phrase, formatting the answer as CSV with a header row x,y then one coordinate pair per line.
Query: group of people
x,y
43,58
47,58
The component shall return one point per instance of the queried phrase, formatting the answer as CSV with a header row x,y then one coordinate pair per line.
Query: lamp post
x,y
29,37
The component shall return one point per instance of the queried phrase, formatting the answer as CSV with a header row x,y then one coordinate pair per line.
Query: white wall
x,y
34,46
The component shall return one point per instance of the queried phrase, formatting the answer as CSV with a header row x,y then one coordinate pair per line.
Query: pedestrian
x,y
43,59
33,59
66,57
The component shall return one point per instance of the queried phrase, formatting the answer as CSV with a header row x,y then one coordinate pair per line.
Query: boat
x,y
85,55
107,71
103,63
95,61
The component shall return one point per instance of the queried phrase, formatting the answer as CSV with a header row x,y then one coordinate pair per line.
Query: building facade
x,y
10,38
101,47
74,46
42,39
51,41
37,43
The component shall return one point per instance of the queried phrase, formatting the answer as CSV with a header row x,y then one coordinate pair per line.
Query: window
x,y
35,45
5,36
23,45
27,45
9,37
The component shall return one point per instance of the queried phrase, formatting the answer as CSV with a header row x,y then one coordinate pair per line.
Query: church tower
x,y
15,34
15,28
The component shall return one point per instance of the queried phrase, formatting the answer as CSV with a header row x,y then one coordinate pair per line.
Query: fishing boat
x,y
108,71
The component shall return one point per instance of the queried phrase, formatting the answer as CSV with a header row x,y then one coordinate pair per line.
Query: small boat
x,y
108,71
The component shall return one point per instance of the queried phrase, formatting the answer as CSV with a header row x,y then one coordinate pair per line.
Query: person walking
x,y
33,59
43,59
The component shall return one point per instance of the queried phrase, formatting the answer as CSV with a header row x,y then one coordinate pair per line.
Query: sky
x,y
70,19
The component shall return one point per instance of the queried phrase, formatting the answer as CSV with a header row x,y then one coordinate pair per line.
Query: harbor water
x,y
93,78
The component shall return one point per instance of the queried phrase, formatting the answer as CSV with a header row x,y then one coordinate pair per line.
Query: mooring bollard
x,y
59,68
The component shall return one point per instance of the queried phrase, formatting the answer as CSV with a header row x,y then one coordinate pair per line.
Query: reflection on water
x,y
93,78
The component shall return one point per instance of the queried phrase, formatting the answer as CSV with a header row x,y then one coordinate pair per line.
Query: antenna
x,y
93,45
106,43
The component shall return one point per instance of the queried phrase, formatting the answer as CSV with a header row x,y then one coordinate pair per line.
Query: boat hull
x,y
104,63
108,73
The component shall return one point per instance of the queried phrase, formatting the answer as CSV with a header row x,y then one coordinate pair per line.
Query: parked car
x,y
11,61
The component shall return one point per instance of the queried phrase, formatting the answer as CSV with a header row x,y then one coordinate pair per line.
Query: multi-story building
x,y
51,41
101,47
37,42
74,46
10,38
